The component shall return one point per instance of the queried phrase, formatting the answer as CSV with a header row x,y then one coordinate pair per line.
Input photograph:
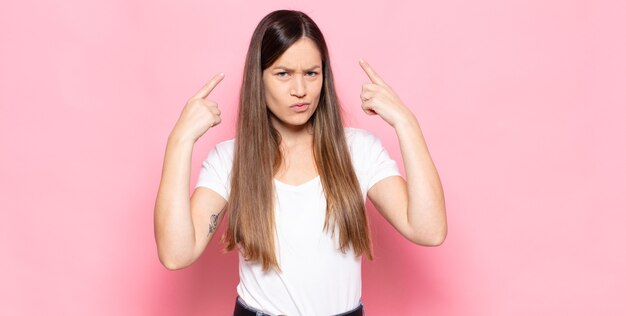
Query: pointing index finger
x,y
206,90
374,77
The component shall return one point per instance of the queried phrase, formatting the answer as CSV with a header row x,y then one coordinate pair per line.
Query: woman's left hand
x,y
378,98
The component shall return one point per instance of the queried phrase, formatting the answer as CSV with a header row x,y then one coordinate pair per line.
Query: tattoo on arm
x,y
213,224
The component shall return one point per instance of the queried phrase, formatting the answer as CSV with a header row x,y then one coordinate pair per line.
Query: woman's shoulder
x,y
358,136
224,149
226,145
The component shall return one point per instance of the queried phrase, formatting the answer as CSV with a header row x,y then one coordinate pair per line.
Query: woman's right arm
x,y
183,226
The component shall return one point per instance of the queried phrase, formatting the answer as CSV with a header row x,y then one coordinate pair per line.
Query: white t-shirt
x,y
316,278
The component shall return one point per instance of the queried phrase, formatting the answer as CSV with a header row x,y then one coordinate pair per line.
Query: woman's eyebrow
x,y
291,70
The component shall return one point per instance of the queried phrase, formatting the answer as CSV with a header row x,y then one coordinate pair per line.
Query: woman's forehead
x,y
303,54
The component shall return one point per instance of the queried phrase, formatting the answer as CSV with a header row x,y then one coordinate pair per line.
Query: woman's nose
x,y
299,87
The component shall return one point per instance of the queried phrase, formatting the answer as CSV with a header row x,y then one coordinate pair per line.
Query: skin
x,y
181,223
415,207
295,77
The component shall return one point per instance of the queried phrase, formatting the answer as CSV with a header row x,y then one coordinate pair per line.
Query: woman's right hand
x,y
199,113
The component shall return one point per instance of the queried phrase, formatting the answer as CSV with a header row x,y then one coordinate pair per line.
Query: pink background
x,y
523,105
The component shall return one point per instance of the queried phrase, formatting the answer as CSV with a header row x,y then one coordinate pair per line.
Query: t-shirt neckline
x,y
300,186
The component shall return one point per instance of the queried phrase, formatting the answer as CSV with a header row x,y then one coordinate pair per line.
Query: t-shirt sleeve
x,y
215,172
379,164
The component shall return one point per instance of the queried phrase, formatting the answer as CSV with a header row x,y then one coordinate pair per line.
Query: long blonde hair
x,y
257,155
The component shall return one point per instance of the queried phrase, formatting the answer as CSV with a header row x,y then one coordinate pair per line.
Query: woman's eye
x,y
312,73
282,74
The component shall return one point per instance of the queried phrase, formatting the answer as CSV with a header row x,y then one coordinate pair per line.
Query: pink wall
x,y
522,103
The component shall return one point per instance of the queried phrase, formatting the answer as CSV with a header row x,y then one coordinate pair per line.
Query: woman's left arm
x,y
416,208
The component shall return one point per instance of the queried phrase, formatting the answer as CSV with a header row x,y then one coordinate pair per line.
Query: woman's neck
x,y
294,135
296,147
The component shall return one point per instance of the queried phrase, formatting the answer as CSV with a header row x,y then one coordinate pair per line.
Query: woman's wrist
x,y
408,121
176,138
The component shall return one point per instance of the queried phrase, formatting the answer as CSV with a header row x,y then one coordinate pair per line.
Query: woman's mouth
x,y
300,107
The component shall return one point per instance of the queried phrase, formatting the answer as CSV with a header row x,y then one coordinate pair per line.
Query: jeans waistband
x,y
241,309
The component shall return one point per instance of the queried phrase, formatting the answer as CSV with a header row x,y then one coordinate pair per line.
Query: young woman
x,y
294,180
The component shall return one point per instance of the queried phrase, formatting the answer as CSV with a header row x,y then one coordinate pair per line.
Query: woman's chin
x,y
291,124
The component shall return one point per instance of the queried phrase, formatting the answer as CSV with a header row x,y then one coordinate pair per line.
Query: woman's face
x,y
293,84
